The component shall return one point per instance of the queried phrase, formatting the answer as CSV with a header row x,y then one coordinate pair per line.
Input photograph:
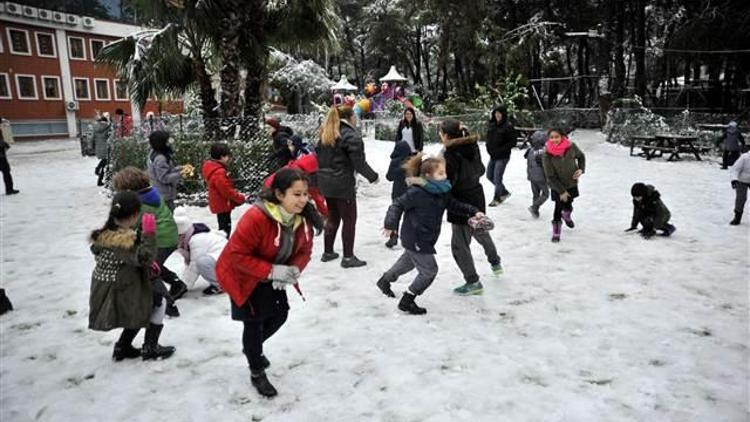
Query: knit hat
x,y
638,189
183,221
270,121
732,124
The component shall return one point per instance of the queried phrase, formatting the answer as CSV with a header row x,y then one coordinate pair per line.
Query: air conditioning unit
x,y
30,12
45,15
58,17
88,22
71,105
72,20
13,8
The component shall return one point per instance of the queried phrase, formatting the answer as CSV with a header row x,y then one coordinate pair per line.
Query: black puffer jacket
x,y
417,133
463,163
501,137
337,164
281,144
396,172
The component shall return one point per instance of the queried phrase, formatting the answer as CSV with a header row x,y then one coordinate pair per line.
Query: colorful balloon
x,y
364,105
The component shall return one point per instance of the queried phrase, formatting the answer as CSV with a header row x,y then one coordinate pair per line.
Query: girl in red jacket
x,y
269,250
222,197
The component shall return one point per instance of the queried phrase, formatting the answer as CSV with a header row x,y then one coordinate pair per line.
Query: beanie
x,y
638,189
182,220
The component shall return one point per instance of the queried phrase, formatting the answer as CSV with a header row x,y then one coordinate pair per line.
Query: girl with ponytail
x,y
341,154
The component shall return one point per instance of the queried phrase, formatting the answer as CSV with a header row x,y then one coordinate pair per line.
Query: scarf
x,y
437,187
287,219
559,149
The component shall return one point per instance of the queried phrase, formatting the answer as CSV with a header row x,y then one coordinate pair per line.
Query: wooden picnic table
x,y
643,142
674,144
524,134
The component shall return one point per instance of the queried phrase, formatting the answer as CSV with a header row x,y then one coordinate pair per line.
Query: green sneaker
x,y
469,289
497,269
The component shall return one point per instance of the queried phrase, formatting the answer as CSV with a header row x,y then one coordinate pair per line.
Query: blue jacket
x,y
396,173
424,208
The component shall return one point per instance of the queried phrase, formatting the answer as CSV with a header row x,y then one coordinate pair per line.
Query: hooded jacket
x,y
740,171
732,139
164,175
210,243
533,155
501,137
338,163
248,258
101,137
166,228
396,173
423,217
650,208
222,197
121,292
463,163
281,138
308,163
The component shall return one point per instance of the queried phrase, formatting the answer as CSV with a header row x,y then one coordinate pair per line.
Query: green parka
x,y
560,170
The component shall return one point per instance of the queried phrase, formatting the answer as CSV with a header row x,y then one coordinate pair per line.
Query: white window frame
x,y
39,50
10,41
114,89
18,87
59,87
75,93
91,47
70,47
7,84
2,49
96,91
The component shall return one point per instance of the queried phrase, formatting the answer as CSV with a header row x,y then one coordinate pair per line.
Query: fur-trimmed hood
x,y
120,238
465,140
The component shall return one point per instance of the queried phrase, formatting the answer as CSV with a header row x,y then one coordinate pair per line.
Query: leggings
x,y
561,206
255,333
341,209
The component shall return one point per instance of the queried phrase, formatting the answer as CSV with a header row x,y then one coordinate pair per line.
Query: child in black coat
x,y
649,211
424,204
397,175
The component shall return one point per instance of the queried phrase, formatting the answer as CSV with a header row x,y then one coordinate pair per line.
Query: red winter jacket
x,y
222,197
249,255
308,163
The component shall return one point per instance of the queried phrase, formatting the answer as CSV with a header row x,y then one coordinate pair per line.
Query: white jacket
x,y
208,243
741,169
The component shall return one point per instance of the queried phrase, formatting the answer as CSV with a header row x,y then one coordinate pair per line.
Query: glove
x,y
481,223
287,274
148,224
278,285
734,184
630,229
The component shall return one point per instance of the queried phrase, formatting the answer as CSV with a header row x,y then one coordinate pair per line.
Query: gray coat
x,y
534,167
164,175
101,137
732,139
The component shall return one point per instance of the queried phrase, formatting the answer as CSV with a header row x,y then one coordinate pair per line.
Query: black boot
x,y
261,383
172,310
124,347
737,218
385,286
177,289
407,305
151,348
352,262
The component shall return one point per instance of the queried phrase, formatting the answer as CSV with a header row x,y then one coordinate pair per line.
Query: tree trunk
x,y
206,94
618,84
230,62
640,48
581,81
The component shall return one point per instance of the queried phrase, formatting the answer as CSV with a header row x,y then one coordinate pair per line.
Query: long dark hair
x,y
283,180
159,141
414,121
124,204
453,129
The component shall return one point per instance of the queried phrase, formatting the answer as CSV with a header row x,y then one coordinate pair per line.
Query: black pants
x,y
7,178
167,275
100,170
225,222
561,206
255,333
341,209
729,157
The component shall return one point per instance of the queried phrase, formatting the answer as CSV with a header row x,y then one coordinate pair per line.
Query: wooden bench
x,y
645,142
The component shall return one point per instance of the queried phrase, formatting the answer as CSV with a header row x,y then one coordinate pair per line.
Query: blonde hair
x,y
417,166
130,179
330,130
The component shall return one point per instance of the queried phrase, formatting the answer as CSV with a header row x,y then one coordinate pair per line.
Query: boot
x,y
668,230
352,262
172,310
534,211
567,219
329,256
737,218
260,382
124,347
407,305
385,286
152,350
392,241
556,229
177,289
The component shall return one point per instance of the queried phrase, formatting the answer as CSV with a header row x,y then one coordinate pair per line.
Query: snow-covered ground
x,y
604,326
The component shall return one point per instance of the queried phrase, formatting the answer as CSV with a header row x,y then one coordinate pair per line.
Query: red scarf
x,y
559,149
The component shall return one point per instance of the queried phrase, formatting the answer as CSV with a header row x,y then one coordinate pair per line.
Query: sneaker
x,y
352,262
385,287
469,289
329,256
212,290
495,202
177,289
534,212
497,269
172,310
503,198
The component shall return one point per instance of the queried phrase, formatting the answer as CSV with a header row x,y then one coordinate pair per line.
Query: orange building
x,y
49,81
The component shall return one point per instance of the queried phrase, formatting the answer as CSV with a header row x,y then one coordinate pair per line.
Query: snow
x,y
602,326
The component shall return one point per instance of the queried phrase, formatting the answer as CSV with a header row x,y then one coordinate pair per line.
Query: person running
x,y
564,163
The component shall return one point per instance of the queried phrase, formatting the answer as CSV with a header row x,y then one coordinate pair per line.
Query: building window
x,y
76,49
45,45
5,87
96,47
51,87
2,49
26,87
121,90
81,87
101,89
18,40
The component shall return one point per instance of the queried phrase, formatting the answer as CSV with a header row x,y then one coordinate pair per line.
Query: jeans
x,y
495,172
